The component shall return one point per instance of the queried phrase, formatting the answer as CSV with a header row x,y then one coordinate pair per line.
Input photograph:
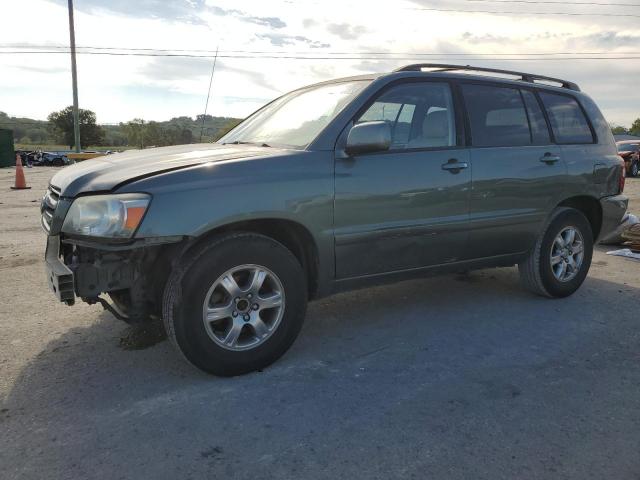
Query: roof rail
x,y
525,77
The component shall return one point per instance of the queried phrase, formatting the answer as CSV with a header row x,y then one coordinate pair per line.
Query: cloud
x,y
605,40
346,31
186,11
378,66
176,68
172,69
258,25
280,40
257,77
41,69
272,22
485,38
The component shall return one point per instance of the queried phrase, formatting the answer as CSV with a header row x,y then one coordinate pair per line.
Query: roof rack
x,y
525,77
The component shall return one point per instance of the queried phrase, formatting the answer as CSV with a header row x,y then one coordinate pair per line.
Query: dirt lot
x,y
454,377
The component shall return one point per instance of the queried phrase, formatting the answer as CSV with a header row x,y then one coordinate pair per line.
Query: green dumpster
x,y
7,152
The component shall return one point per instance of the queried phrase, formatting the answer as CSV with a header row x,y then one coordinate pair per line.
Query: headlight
x,y
109,216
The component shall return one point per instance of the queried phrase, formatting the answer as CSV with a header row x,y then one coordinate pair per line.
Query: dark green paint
x,y
373,216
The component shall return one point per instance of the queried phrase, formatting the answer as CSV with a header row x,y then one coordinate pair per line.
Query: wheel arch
x,y
591,209
293,235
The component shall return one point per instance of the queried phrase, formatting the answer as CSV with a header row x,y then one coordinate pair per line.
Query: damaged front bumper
x,y
132,275
59,276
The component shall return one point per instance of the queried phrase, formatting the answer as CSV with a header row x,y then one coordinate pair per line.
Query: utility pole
x,y
74,77
206,105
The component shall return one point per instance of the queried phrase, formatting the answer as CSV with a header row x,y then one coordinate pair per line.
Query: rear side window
x,y
567,119
539,128
497,115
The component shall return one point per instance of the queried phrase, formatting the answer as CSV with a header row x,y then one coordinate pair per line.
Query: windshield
x,y
297,118
628,147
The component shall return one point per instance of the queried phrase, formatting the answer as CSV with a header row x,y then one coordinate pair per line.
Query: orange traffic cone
x,y
21,183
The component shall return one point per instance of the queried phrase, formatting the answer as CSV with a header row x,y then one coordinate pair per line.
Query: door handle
x,y
454,166
549,158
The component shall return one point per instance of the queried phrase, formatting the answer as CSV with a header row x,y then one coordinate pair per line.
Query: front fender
x,y
297,187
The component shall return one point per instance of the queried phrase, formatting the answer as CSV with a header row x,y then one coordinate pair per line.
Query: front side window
x,y
297,118
497,115
568,122
420,115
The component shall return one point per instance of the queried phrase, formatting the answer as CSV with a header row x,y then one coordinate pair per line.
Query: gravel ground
x,y
457,377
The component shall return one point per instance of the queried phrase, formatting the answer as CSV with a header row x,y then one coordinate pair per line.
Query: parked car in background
x,y
43,159
29,157
629,150
49,159
335,186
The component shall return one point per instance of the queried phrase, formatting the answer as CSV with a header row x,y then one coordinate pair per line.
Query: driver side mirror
x,y
368,137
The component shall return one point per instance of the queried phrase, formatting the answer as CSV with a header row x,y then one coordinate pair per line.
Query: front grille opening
x,y
50,203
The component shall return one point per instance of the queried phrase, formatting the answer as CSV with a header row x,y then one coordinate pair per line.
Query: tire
x,y
634,169
537,272
194,280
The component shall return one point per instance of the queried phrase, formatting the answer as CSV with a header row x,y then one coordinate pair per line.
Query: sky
x,y
344,37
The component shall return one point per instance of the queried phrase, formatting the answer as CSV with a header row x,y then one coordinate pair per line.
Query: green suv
x,y
428,169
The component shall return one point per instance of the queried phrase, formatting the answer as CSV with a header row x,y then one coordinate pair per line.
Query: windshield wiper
x,y
238,142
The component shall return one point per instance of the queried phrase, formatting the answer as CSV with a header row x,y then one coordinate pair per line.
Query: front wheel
x,y
560,260
235,305
634,169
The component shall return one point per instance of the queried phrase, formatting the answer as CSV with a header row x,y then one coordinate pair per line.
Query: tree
x,y
136,132
618,130
226,128
115,136
155,134
635,128
201,117
186,136
61,125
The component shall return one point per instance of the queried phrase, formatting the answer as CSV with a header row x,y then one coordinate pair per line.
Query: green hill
x,y
38,133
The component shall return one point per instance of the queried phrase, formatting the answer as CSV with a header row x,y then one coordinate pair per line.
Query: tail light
x,y
623,174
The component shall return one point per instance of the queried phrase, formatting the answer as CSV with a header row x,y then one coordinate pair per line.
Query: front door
x,y
407,207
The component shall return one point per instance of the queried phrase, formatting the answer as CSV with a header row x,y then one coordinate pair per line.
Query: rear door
x,y
407,207
518,172
575,134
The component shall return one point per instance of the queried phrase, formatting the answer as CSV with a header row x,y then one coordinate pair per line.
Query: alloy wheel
x,y
567,254
243,307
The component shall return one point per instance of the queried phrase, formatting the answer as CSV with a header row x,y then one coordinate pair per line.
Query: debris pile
x,y
631,236
615,237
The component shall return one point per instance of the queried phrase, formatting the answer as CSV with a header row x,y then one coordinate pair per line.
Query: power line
x,y
306,52
530,2
206,105
567,14
537,2
295,57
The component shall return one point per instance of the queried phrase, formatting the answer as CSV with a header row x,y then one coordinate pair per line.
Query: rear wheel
x,y
235,305
634,169
560,260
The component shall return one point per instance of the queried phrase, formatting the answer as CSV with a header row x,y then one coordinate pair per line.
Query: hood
x,y
105,173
